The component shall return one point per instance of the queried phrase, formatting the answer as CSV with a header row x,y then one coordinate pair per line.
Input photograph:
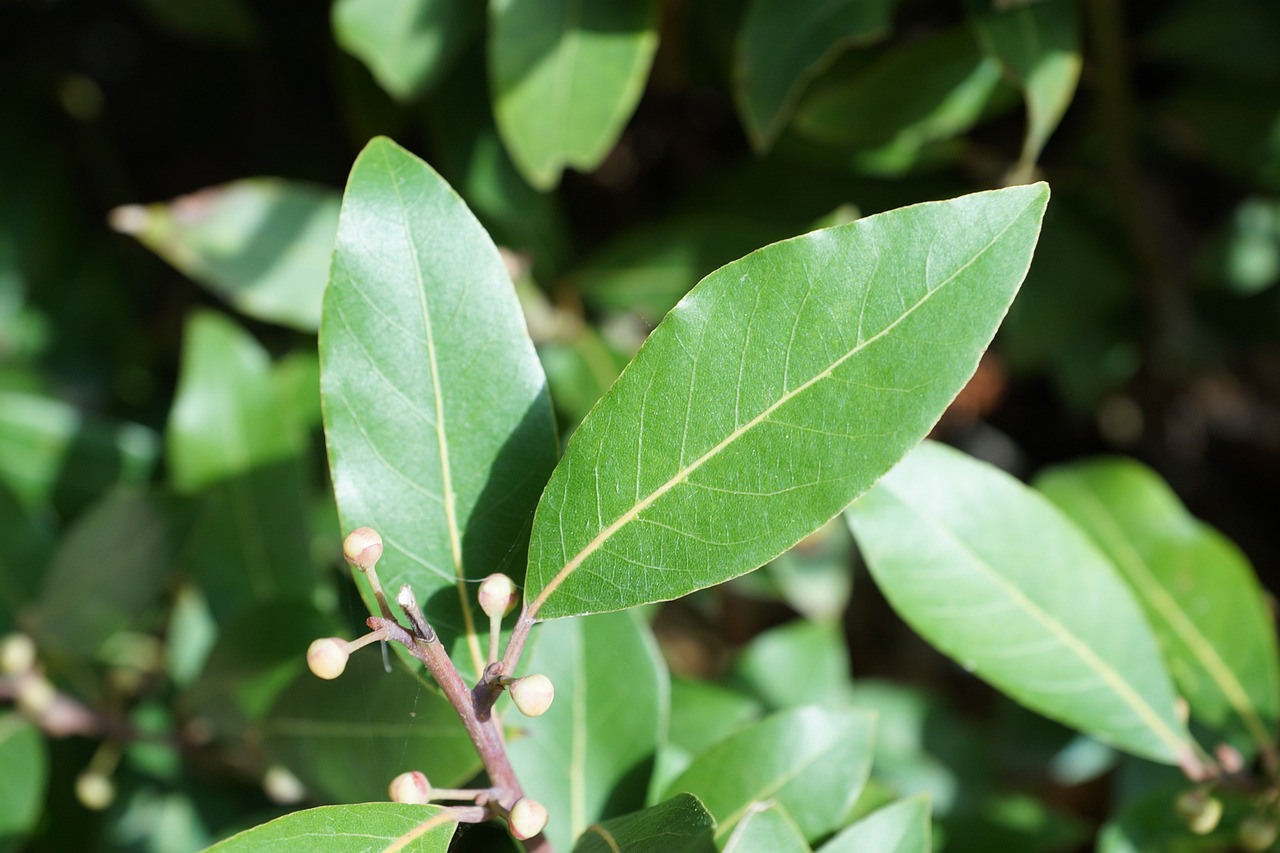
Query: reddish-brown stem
x,y
483,732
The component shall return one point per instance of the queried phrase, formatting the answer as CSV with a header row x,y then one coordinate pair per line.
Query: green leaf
x,y
350,737
766,828
702,713
928,90
106,572
262,244
782,45
816,577
439,426
679,825
777,391
229,437
900,828
22,784
51,453
27,545
813,761
1038,46
349,829
588,757
566,76
799,663
225,21
990,573
1198,591
407,44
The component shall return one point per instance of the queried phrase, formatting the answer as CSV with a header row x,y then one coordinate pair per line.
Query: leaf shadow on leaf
x,y
628,794
600,20
482,553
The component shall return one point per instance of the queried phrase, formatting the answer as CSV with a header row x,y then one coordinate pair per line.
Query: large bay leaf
x,y
229,439
799,663
262,244
899,828
1039,47
22,783
588,758
702,713
990,573
813,761
783,44
776,392
347,739
679,825
766,828
566,77
439,426
1198,591
363,828
406,44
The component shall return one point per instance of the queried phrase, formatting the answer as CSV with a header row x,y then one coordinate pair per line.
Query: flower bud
x,y
1257,832
411,787
35,695
363,548
94,790
282,787
1200,810
327,657
533,694
497,595
527,818
17,654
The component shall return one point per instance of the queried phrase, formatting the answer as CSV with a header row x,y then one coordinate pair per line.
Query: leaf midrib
x,y
631,514
1175,616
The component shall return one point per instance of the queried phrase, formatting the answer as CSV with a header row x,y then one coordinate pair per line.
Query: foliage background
x,y
1147,325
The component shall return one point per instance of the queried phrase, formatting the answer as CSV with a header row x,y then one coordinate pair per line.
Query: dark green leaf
x,y
766,828
990,573
566,77
777,391
680,825
349,738
900,828
27,545
50,452
1198,591
799,663
440,430
22,782
349,829
229,437
110,566
813,761
931,89
589,756
262,244
1039,47
783,44
407,44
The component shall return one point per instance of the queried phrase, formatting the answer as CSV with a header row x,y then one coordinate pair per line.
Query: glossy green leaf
x,y
262,244
363,828
931,89
900,828
588,757
784,44
816,576
799,663
108,569
566,76
702,713
439,426
679,825
229,438
766,828
406,44
51,453
1199,593
348,738
813,761
1038,46
990,573
22,783
777,391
